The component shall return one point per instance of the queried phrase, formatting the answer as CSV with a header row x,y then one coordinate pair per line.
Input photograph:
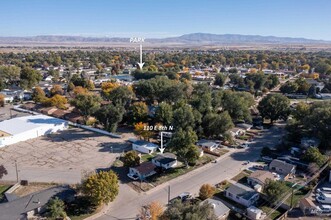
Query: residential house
x,y
207,145
242,194
254,213
144,170
220,209
29,106
258,179
235,132
28,206
74,117
307,142
308,207
144,147
244,126
59,113
165,161
283,168
48,110
313,82
27,96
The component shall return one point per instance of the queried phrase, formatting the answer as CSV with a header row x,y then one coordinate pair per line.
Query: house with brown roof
x,y
48,110
308,207
59,113
258,178
144,170
74,117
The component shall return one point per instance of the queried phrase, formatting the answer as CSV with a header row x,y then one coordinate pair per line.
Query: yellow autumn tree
x,y
59,101
206,191
101,187
141,130
108,87
2,100
78,90
56,89
156,210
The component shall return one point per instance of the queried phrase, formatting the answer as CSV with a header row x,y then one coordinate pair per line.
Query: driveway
x,y
62,157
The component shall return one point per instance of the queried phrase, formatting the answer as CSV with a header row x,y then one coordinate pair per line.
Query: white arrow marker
x,y
141,64
162,148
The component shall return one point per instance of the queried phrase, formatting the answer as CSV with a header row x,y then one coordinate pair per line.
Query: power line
x,y
288,195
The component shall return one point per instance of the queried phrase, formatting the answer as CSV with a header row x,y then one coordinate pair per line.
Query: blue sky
x,y
163,18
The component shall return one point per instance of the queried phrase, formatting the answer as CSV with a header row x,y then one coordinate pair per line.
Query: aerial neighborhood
x,y
241,137
165,110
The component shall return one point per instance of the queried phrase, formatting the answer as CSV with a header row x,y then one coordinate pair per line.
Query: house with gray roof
x,y
28,206
165,161
220,209
242,194
144,147
282,168
207,144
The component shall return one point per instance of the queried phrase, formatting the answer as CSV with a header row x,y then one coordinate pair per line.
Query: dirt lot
x,y
61,157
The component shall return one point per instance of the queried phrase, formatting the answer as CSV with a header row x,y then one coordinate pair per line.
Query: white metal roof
x,y
22,124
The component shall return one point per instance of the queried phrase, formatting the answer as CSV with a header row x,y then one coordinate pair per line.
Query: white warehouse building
x,y
24,128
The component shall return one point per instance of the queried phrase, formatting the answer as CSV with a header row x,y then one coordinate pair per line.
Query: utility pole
x,y
16,171
168,194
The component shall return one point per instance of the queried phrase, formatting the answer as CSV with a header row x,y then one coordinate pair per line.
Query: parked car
x,y
185,196
258,167
325,208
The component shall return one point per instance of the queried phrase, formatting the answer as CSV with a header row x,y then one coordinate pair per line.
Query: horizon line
x,y
86,35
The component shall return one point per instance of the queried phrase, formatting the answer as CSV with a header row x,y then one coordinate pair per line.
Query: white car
x,y
133,176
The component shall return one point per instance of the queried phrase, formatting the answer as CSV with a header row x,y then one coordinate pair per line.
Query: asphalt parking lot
x,y
7,113
62,157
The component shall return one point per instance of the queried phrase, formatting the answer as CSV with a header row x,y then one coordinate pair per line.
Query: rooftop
x,y
22,124
16,209
145,167
286,167
262,175
241,190
165,158
219,208
145,143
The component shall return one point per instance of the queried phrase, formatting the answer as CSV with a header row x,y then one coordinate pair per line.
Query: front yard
x,y
3,189
178,171
242,176
167,175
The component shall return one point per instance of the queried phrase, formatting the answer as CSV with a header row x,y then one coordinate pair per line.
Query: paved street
x,y
128,202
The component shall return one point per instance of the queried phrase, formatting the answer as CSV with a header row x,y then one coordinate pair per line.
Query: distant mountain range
x,y
187,39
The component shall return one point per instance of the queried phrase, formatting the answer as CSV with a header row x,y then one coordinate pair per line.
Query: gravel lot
x,y
63,157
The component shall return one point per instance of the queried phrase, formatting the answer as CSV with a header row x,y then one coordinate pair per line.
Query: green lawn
x,y
267,209
297,196
178,171
147,157
242,176
3,188
169,174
